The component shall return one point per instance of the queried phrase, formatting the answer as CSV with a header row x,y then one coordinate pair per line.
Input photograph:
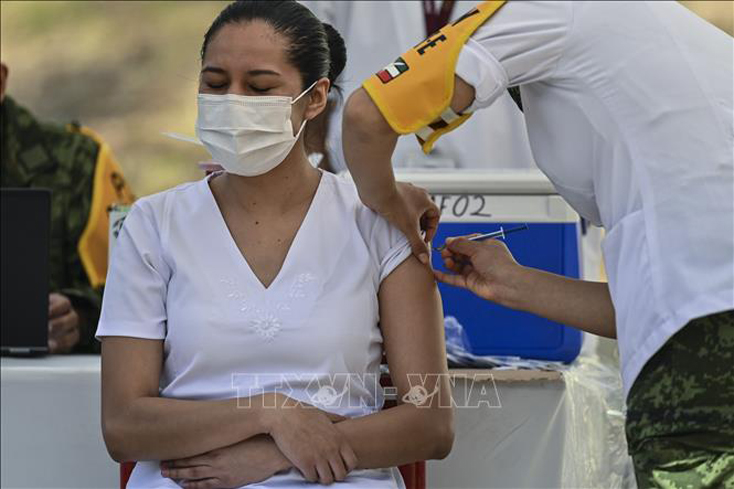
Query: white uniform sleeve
x,y
522,43
389,246
134,302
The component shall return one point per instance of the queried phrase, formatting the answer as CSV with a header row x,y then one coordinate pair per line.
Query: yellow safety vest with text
x,y
414,93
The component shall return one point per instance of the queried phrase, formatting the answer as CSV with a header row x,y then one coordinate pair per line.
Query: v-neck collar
x,y
232,244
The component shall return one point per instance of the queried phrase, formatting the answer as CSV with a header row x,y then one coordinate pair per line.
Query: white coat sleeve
x,y
134,302
388,246
522,43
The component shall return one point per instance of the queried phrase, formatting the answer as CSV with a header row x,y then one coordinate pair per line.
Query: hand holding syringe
x,y
494,234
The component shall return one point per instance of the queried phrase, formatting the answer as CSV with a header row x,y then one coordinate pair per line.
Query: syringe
x,y
494,234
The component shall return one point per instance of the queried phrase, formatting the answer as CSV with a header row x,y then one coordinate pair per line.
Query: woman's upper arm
x,y
132,325
411,319
131,369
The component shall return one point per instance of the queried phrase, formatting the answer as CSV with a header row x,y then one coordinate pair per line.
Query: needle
x,y
494,234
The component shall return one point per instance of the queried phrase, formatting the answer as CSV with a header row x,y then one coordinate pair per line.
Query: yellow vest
x,y
414,93
109,188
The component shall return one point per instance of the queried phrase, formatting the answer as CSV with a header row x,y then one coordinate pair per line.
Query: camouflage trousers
x,y
680,410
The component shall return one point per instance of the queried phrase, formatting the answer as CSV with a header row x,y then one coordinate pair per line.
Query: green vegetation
x,y
127,69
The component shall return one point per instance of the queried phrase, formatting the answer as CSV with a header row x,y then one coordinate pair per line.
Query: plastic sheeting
x,y
556,425
459,355
595,448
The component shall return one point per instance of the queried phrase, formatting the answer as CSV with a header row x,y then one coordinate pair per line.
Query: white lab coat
x,y
628,107
376,33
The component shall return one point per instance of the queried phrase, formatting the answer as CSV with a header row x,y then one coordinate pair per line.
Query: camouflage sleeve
x,y
63,159
77,154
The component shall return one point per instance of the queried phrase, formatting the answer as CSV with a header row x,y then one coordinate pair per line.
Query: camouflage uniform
x,y
680,415
59,158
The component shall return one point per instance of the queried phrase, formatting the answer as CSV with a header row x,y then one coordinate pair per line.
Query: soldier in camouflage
x,y
680,410
60,158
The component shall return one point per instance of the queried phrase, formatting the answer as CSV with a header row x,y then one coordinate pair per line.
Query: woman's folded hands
x,y
294,435
249,461
308,438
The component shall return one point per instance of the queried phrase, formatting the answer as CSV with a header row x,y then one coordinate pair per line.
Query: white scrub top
x,y
177,275
375,34
628,107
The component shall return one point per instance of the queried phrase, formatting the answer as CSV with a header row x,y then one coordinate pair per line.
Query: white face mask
x,y
247,135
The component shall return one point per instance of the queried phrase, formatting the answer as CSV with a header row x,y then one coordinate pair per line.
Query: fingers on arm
x,y
309,473
350,458
430,222
338,467
419,247
198,460
323,468
193,472
209,483
449,279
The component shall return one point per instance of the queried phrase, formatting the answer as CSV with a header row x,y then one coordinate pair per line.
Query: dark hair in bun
x,y
316,48
337,53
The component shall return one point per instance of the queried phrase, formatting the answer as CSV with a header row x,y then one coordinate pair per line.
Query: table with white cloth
x,y
513,429
51,430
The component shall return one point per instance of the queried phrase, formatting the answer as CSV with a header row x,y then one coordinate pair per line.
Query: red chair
x,y
126,468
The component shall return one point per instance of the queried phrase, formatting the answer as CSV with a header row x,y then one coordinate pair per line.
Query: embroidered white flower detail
x,y
282,306
267,326
267,322
299,284
228,282
236,295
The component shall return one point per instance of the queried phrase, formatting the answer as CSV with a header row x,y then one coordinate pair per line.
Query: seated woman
x,y
246,314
